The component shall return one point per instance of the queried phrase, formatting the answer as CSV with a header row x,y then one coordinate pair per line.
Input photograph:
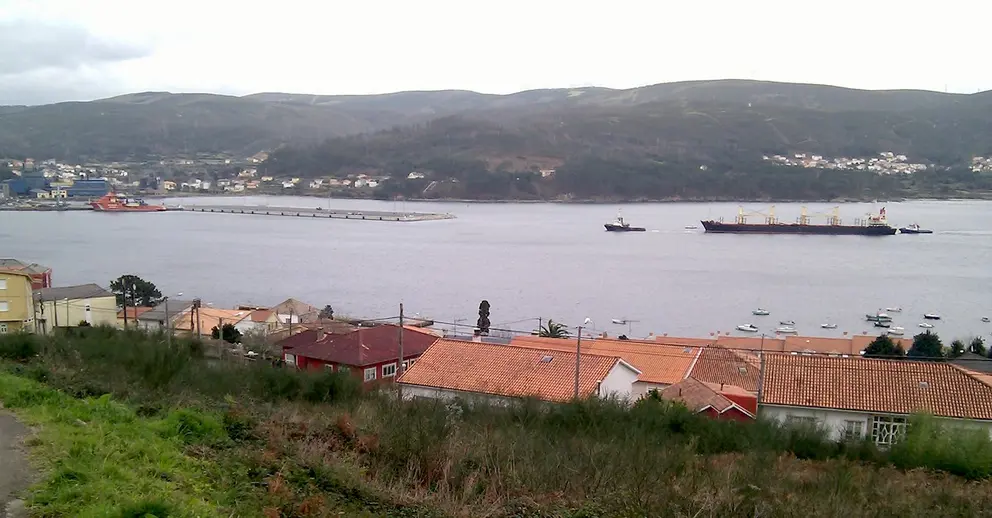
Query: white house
x,y
292,311
859,397
454,369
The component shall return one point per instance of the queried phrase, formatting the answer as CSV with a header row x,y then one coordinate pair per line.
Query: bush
x,y
953,448
192,427
18,346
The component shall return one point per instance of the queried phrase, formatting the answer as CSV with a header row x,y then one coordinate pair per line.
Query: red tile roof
x,y
507,370
697,396
365,346
725,366
261,315
134,312
870,385
661,364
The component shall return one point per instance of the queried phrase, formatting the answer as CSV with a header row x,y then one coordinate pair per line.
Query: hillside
x,y
691,119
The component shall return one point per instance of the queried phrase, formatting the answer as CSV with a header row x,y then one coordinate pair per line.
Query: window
x,y
853,430
370,374
3,284
886,430
329,366
4,305
3,328
290,359
389,370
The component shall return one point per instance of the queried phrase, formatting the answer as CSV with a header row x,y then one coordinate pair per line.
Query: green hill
x,y
652,133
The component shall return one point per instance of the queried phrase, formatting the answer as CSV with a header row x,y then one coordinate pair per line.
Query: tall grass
x,y
295,440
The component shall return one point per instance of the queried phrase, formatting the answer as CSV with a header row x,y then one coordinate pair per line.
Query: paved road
x,y
14,468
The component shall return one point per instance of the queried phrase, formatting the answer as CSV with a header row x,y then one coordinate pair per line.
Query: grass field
x,y
127,427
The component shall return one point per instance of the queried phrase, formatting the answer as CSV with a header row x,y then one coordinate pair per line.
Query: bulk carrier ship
x,y
872,225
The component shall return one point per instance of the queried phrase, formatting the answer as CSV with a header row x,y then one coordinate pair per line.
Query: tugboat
x,y
110,202
621,226
914,229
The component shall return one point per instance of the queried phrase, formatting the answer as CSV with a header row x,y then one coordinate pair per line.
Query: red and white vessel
x,y
110,202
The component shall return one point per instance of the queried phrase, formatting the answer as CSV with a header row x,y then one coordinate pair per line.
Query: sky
x,y
61,50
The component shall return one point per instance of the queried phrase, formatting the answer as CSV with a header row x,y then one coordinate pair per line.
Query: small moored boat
x,y
926,325
931,316
750,328
897,331
985,319
788,322
878,317
881,324
828,326
896,309
761,312
787,330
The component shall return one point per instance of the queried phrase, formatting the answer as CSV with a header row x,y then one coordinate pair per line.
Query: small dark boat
x,y
882,324
914,229
622,226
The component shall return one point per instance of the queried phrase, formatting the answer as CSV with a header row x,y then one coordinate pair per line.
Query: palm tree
x,y
553,330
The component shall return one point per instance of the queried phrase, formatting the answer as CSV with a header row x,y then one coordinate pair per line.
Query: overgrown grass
x,y
276,442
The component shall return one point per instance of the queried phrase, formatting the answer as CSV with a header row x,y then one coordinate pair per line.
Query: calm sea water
x,y
540,260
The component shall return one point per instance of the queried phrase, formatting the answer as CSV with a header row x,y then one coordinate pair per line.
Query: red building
x,y
41,276
370,353
715,401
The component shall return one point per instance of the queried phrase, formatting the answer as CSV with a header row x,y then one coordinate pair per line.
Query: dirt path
x,y
15,472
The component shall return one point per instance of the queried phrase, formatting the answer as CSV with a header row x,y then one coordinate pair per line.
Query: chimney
x,y
320,333
477,338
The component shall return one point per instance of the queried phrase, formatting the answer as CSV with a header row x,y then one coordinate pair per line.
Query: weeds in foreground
x,y
275,442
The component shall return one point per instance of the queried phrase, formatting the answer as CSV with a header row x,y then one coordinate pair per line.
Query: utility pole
x,y
399,388
761,379
55,313
578,360
124,305
168,328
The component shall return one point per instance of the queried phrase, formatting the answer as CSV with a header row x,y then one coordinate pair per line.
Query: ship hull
x,y
618,228
793,228
149,208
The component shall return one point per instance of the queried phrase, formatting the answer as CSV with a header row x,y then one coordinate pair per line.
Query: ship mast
x,y
803,218
835,217
771,216
741,219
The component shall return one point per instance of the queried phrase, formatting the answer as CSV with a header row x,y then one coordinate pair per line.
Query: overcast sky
x,y
56,50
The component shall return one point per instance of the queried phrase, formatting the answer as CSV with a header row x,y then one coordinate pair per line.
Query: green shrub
x,y
18,346
946,446
192,427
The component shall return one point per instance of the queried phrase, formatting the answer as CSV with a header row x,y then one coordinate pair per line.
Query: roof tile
x,y
512,371
661,364
872,385
364,346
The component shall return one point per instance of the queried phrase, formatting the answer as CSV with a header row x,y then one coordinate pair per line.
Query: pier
x,y
297,212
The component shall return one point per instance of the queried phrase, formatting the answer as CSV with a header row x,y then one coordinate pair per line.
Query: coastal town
x,y
819,381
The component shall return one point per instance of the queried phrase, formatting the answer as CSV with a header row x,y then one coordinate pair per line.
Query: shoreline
x,y
583,201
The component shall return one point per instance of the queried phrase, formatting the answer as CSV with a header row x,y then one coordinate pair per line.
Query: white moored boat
x,y
926,325
750,328
829,326
786,330
761,312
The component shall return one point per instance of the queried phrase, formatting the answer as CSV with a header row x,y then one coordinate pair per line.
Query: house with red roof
x,y
454,369
854,397
371,353
724,402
